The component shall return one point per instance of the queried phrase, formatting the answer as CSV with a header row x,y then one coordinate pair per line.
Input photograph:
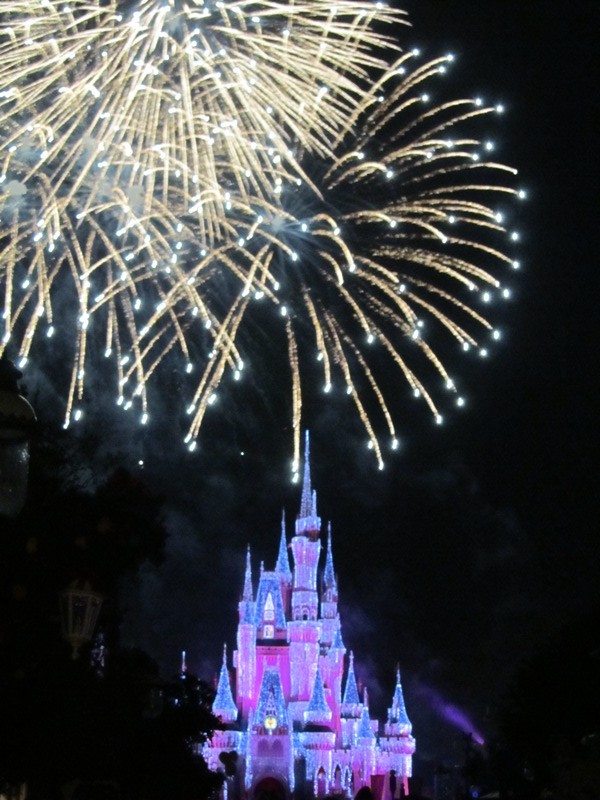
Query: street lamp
x,y
79,609
17,419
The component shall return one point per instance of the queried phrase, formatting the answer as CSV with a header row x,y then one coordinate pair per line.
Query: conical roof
x,y
283,558
307,521
365,732
329,573
223,705
318,710
397,713
351,690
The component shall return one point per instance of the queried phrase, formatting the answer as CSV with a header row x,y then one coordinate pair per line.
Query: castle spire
x,y
351,700
306,500
183,663
338,642
283,561
248,579
329,573
246,605
397,713
223,705
365,732
318,710
307,520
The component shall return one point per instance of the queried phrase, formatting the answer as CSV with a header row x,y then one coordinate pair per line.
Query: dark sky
x,y
481,536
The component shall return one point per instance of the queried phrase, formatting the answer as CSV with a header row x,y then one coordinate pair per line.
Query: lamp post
x,y
17,419
79,609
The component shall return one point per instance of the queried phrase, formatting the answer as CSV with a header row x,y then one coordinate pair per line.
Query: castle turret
x,y
365,744
351,705
244,658
318,710
398,744
329,578
282,567
246,605
364,733
329,596
398,723
223,705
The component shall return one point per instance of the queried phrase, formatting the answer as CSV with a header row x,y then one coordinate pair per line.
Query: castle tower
x,y
398,723
304,628
398,743
244,658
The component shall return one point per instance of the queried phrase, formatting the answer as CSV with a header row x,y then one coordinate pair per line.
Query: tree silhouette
x,y
74,729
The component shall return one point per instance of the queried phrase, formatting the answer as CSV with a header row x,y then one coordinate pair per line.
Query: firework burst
x,y
165,164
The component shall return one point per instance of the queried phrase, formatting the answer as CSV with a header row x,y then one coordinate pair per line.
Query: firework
x,y
164,165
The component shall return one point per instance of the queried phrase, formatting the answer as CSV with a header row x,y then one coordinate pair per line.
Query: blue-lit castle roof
x,y
318,710
270,584
397,713
271,700
351,700
283,559
223,705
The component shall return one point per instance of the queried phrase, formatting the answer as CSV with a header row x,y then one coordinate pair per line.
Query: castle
x,y
298,724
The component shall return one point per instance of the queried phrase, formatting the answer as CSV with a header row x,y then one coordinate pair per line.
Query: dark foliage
x,y
124,733
551,720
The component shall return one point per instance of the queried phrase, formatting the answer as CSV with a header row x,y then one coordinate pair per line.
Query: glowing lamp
x,y
17,420
270,723
79,609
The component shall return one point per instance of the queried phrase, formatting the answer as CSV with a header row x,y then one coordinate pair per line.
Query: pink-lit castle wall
x,y
298,723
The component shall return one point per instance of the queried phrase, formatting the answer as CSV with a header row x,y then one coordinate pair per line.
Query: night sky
x,y
480,537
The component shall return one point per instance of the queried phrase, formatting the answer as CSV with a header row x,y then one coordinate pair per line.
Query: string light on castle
x,y
166,165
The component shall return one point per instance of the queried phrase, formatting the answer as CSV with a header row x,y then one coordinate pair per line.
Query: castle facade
x,y
298,723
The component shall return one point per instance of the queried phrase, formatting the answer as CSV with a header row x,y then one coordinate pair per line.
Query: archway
x,y
321,783
269,788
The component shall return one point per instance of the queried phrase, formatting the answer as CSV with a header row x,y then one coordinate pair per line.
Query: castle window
x,y
269,632
269,613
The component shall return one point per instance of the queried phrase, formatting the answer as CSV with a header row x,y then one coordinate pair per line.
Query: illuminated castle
x,y
298,723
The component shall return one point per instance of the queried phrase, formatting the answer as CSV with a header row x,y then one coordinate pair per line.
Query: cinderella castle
x,y
298,723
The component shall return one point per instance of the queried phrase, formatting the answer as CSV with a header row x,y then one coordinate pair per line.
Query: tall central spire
x,y
248,579
306,503
307,518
